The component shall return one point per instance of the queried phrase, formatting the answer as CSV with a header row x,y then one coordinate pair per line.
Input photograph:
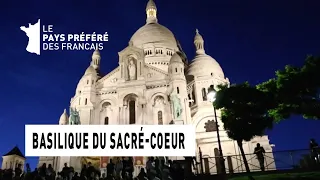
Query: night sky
x,y
250,39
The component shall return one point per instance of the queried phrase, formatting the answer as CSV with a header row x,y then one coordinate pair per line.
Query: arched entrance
x,y
130,101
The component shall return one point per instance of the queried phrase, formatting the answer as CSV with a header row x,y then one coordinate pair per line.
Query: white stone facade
x,y
12,161
153,68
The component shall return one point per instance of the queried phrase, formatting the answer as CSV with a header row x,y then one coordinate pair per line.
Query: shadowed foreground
x,y
285,176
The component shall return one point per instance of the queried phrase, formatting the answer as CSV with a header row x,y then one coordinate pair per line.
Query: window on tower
x,y
132,112
85,101
176,69
204,94
160,120
178,90
150,13
209,87
189,97
193,96
106,120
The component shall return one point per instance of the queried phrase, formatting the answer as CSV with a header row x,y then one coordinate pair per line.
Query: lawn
x,y
285,176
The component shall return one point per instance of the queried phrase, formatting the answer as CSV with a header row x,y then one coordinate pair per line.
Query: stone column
x,y
119,115
122,114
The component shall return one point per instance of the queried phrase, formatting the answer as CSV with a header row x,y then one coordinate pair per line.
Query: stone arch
x,y
107,109
137,54
131,102
203,113
206,156
131,58
132,55
127,94
200,124
202,116
130,97
109,99
155,95
105,104
157,100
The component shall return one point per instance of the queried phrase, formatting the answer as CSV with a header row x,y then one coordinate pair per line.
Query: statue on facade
x,y
74,118
132,69
177,108
106,106
159,101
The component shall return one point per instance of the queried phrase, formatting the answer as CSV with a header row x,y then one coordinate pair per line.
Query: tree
x,y
244,113
295,90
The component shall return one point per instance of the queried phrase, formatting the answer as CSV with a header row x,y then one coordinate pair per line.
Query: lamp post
x,y
212,97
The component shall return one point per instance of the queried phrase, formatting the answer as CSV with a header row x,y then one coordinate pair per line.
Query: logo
x,y
51,41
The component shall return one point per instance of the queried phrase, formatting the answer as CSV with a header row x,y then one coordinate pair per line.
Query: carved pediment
x,y
111,79
153,73
132,51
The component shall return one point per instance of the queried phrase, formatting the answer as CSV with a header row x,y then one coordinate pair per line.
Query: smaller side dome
x,y
198,37
96,53
176,64
203,64
176,58
64,119
90,70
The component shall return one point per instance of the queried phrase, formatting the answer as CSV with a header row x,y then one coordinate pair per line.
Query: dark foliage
x,y
244,111
295,90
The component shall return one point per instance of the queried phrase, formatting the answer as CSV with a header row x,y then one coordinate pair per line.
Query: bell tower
x,y
151,11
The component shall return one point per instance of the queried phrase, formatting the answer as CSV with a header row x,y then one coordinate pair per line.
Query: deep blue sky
x,y
249,38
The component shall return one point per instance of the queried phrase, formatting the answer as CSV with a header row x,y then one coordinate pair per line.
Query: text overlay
x,y
110,140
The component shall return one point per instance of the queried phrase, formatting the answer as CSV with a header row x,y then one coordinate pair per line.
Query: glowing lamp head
x,y
211,96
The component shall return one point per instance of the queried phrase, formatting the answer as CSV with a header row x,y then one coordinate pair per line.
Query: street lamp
x,y
211,96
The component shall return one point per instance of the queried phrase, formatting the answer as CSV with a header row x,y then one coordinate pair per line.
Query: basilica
x,y
156,84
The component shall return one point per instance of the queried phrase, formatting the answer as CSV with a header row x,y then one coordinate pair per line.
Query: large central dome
x,y
153,33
